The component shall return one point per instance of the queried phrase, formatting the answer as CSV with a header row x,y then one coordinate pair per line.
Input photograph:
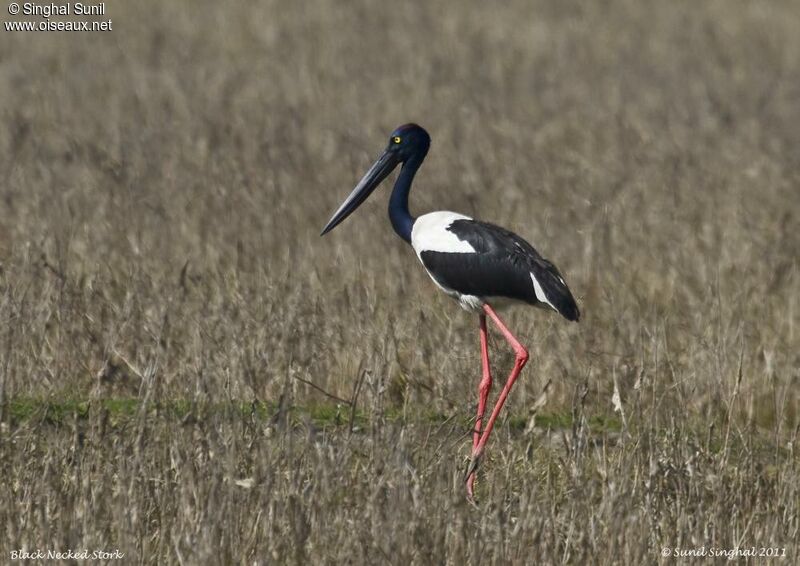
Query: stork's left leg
x,y
484,388
521,359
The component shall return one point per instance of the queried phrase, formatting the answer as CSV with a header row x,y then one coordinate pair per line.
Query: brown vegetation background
x,y
191,375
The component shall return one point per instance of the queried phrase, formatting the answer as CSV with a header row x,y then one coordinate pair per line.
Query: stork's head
x,y
406,142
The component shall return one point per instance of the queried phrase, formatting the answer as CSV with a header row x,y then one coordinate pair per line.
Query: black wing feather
x,y
501,267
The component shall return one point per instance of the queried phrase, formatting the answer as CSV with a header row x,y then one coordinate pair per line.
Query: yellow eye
x,y
396,139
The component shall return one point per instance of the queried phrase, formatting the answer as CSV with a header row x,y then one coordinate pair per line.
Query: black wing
x,y
501,266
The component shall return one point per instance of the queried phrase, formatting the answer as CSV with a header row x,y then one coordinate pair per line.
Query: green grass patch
x,y
122,409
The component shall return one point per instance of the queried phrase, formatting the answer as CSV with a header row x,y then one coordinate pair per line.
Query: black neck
x,y
401,218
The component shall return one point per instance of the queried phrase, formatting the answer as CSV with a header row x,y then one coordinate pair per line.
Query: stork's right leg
x,y
484,388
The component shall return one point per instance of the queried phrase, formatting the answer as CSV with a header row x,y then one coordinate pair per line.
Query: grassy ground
x,y
190,375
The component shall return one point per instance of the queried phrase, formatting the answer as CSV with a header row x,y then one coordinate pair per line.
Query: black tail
x,y
556,291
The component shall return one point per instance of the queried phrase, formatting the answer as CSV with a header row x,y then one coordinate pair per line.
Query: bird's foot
x,y
471,490
471,474
473,465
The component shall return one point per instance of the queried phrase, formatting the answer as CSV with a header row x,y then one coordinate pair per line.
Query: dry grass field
x,y
190,375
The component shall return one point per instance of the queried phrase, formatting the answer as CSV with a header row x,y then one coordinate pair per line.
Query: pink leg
x,y
519,363
484,388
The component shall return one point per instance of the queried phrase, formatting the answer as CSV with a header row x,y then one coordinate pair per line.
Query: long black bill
x,y
377,173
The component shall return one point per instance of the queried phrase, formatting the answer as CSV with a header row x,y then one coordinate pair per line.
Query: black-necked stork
x,y
479,264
